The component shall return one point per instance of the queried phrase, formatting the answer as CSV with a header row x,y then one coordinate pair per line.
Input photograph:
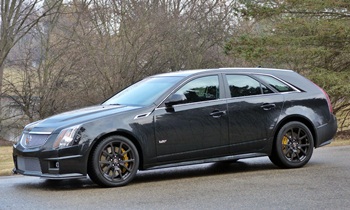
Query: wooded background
x,y
60,55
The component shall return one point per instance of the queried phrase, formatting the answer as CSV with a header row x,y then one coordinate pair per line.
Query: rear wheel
x,y
114,162
293,146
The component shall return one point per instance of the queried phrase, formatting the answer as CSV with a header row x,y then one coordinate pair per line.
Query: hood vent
x,y
142,115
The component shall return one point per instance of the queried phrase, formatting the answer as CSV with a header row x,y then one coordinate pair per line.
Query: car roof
x,y
185,73
286,75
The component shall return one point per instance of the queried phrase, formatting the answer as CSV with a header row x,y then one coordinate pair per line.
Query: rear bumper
x,y
51,164
326,132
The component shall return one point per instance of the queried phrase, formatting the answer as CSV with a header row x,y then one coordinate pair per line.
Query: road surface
x,y
324,183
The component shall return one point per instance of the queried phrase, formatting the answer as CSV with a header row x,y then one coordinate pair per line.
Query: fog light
x,y
57,164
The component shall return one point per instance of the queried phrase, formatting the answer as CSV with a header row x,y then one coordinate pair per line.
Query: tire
x,y
293,146
114,162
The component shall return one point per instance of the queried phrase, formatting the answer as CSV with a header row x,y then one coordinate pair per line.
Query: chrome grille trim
x,y
30,140
40,133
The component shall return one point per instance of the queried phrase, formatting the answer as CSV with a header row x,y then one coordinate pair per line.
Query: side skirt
x,y
209,160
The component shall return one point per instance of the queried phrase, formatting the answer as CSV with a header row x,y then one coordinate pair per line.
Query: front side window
x,y
242,85
200,89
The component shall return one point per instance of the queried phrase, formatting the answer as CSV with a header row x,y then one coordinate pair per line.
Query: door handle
x,y
217,113
268,106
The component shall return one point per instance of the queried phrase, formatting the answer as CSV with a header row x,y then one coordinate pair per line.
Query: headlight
x,y
66,137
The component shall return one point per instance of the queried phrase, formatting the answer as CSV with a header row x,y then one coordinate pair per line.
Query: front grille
x,y
28,164
33,140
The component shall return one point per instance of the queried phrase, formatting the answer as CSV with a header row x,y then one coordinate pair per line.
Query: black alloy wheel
x,y
293,146
114,162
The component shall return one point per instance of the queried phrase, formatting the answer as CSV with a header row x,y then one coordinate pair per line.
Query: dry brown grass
x,y
6,161
340,142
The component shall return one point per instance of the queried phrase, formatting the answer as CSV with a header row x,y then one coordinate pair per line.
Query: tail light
x,y
328,99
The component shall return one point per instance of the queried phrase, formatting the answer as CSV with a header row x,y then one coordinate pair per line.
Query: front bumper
x,y
63,163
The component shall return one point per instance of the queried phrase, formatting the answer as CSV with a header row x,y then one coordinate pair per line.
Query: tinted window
x,y
275,83
200,89
144,92
265,89
241,85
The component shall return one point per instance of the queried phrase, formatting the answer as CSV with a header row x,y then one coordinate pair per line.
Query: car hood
x,y
75,117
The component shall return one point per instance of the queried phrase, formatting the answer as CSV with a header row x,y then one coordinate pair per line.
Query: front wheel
x,y
293,146
114,162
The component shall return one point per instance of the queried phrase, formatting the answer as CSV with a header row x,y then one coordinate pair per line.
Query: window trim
x,y
227,87
278,79
222,89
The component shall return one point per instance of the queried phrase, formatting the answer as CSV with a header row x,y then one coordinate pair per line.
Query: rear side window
x,y
275,83
242,85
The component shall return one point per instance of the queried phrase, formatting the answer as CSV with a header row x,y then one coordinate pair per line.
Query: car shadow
x,y
200,170
53,185
157,175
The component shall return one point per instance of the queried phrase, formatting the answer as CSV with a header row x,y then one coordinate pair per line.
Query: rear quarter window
x,y
275,83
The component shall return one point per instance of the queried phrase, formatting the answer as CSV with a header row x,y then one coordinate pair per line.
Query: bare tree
x,y
40,72
17,18
94,48
125,41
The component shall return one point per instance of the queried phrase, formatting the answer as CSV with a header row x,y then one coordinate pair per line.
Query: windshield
x,y
145,92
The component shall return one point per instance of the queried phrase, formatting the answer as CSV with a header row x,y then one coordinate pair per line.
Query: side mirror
x,y
174,99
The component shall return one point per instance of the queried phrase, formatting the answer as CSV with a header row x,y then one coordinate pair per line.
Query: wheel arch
x,y
298,118
123,133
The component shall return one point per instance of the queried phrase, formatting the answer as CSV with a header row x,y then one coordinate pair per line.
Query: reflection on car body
x,y
178,118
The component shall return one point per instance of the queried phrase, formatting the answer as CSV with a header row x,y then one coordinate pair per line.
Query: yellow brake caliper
x,y
125,158
284,142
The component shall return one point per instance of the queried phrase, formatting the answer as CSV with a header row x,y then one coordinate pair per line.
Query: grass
x,y
340,142
6,162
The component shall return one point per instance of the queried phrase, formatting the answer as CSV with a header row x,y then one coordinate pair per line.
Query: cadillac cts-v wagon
x,y
180,118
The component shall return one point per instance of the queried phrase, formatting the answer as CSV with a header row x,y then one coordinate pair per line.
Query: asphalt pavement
x,y
324,183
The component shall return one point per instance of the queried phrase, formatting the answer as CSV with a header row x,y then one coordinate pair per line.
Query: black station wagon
x,y
179,118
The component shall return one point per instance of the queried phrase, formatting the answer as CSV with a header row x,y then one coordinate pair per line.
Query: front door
x,y
195,128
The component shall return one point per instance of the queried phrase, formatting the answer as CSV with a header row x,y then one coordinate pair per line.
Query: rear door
x,y
197,127
253,110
